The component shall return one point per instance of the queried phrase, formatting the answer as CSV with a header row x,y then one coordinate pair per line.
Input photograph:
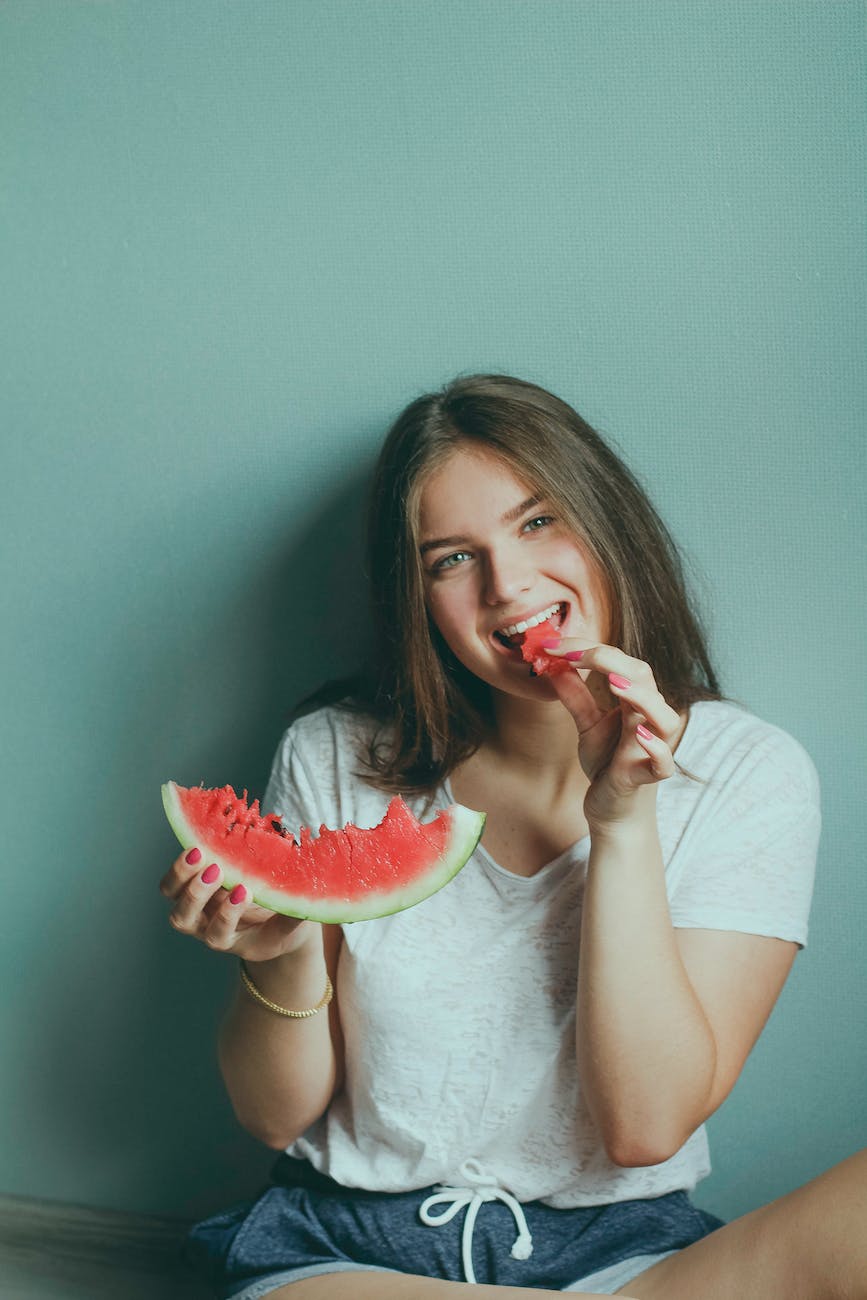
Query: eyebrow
x,y
510,517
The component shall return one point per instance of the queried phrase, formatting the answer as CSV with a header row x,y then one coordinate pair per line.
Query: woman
x,y
476,1103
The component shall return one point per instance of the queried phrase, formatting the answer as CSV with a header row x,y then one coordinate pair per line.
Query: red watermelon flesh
x,y
352,874
532,652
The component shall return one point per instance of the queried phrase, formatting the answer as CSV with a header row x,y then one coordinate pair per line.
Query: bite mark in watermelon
x,y
353,874
531,650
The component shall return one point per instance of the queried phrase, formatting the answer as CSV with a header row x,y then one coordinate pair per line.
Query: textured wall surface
x,y
237,238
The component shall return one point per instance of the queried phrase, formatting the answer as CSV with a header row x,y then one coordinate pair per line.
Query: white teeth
x,y
515,628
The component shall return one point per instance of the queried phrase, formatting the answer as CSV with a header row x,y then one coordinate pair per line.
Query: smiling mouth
x,y
512,635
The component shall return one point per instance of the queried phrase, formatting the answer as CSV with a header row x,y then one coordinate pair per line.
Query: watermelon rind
x,y
466,826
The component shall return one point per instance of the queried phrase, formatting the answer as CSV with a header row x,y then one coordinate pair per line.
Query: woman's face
x,y
495,555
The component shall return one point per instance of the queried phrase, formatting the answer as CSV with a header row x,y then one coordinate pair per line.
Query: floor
x,y
53,1281
50,1251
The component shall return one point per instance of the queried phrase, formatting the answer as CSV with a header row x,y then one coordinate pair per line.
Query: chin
x,y
538,689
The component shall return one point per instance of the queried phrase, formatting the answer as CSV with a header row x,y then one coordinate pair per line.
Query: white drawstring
x,y
481,1187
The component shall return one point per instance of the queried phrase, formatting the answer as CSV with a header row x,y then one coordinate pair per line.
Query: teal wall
x,y
237,238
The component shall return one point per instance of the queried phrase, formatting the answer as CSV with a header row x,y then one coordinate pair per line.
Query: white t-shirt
x,y
459,1013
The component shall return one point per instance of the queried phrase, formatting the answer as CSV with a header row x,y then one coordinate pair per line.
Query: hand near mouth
x,y
626,729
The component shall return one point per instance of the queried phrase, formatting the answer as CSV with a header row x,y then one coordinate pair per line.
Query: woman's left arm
x,y
666,1017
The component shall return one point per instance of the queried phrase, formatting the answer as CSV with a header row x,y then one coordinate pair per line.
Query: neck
x,y
539,735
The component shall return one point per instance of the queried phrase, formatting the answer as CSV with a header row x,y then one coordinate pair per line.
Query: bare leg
x,y
808,1245
400,1286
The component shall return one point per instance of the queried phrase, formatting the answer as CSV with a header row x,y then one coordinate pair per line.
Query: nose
x,y
507,576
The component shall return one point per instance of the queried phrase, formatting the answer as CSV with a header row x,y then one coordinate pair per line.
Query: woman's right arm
x,y
280,1072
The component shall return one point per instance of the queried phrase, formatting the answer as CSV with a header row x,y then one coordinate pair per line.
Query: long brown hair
x,y
437,713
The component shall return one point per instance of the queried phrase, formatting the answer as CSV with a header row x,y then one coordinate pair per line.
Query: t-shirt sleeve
x,y
292,790
751,859
315,777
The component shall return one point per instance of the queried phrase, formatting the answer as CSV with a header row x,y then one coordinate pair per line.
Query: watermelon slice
x,y
336,876
532,653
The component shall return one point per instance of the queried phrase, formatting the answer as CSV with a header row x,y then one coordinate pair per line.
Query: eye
x,y
450,561
538,521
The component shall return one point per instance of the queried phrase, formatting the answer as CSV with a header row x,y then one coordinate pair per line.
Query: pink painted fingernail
x,y
642,731
621,683
238,894
193,857
209,875
574,655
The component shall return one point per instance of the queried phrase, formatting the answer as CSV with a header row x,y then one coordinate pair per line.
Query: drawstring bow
x,y
479,1186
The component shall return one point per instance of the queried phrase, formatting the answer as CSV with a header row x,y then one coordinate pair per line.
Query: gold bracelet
x,y
284,1011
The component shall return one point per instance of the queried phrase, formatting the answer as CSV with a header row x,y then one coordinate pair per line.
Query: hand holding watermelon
x,y
627,730
227,921
337,876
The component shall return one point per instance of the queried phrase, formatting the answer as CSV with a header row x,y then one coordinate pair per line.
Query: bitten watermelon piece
x,y
531,650
337,876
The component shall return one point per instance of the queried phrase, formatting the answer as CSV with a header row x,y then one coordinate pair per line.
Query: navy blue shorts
x,y
306,1224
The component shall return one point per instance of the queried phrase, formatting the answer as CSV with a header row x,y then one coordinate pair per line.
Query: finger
x,y
221,931
595,662
660,757
582,699
180,873
599,657
596,683
608,659
643,697
186,915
